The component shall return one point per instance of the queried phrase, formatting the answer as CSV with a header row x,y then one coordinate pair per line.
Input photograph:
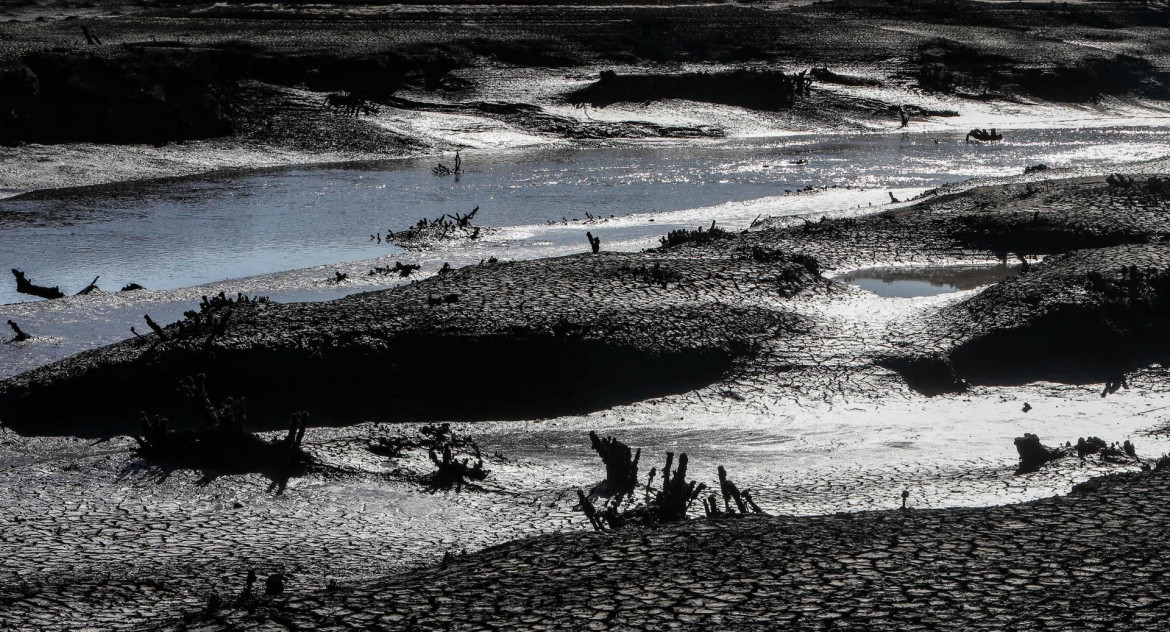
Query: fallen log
x,y
24,286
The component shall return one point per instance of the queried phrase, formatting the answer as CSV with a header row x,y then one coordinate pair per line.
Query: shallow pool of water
x,y
906,282
179,233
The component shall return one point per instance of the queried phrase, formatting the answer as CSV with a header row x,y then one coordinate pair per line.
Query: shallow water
x,y
909,282
180,233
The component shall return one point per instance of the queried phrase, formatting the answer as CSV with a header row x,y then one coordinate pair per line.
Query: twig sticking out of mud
x,y
594,242
443,170
743,500
20,335
24,286
89,288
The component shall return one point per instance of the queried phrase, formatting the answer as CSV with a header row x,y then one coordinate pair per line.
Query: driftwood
x,y
984,135
743,500
20,335
594,242
89,288
24,286
621,467
668,504
131,287
399,268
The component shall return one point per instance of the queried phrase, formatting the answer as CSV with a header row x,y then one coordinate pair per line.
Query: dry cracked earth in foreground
x,y
1093,560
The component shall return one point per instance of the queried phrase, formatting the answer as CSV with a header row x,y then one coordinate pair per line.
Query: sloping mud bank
x,y
520,340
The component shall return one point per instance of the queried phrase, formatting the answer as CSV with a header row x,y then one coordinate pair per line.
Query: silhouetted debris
x,y
20,335
443,170
162,335
457,459
402,270
90,288
1092,445
621,467
426,232
446,269
697,236
668,504
131,287
983,135
339,277
274,585
1034,454
594,242
223,445
750,88
743,501
1035,168
24,286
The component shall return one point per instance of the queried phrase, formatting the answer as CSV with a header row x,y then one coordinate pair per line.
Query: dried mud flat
x,y
1092,560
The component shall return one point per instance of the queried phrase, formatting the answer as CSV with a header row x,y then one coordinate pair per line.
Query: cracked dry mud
x,y
1093,560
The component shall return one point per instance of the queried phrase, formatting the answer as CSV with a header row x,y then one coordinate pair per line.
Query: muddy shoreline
x,y
285,85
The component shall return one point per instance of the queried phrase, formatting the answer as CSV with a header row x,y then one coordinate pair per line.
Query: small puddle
x,y
927,281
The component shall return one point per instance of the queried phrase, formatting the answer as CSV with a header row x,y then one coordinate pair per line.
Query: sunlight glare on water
x,y
180,233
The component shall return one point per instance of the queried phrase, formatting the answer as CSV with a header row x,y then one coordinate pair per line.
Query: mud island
x,y
414,316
